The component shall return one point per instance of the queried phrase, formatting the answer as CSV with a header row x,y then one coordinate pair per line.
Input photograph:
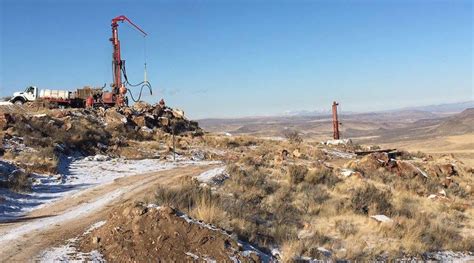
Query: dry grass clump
x,y
287,195
293,136
323,175
239,141
43,160
315,176
290,250
371,199
184,196
419,185
80,134
426,232
296,250
346,227
18,181
207,210
297,173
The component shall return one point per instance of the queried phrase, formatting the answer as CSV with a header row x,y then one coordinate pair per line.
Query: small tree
x,y
293,136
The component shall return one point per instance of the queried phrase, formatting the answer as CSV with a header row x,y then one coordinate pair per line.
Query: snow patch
x,y
69,253
340,154
215,175
381,218
42,223
347,172
95,226
76,175
338,142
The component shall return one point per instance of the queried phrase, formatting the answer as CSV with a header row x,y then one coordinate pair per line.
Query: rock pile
x,y
38,137
141,116
147,117
138,233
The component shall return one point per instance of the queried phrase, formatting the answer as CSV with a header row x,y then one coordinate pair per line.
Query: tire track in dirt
x,y
50,226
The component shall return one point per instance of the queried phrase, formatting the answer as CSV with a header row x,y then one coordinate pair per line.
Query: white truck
x,y
56,97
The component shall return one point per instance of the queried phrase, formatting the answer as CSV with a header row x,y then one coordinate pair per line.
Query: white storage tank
x,y
54,94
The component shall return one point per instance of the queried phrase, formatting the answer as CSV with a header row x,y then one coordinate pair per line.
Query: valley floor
x,y
461,146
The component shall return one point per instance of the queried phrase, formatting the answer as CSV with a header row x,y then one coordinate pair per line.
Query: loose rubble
x,y
164,234
36,141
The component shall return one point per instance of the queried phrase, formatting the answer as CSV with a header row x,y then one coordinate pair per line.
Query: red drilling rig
x,y
335,121
88,96
119,90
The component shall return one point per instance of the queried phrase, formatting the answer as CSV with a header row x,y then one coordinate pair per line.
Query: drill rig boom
x,y
118,88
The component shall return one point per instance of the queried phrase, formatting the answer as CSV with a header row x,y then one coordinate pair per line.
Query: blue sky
x,y
243,58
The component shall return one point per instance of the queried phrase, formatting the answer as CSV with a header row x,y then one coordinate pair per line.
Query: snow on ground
x,y
346,172
382,218
72,213
212,176
77,175
69,253
340,154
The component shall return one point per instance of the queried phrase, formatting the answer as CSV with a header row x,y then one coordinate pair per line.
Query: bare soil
x,y
135,188
137,233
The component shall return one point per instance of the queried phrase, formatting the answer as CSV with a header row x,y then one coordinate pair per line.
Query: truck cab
x,y
30,94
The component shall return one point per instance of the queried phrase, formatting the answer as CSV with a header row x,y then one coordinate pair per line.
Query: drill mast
x,y
118,87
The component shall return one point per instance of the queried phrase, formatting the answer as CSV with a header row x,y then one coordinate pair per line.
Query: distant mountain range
x,y
307,112
436,109
444,108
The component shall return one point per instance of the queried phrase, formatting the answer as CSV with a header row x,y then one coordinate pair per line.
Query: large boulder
x,y
113,119
141,107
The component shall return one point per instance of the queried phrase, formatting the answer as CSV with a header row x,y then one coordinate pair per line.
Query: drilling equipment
x,y
119,90
335,121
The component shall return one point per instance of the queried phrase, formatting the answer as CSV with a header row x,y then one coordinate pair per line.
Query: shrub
x,y
457,190
235,142
407,207
323,176
18,181
430,234
183,197
297,173
42,161
291,250
207,210
293,136
311,196
370,198
346,228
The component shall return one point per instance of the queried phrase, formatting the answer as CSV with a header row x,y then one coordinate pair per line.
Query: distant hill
x,y
457,124
392,116
384,126
437,109
460,123
444,108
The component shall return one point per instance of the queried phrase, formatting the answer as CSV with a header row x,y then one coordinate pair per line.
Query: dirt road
x,y
23,239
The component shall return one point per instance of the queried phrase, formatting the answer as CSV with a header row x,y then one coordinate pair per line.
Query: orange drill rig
x,y
335,121
119,90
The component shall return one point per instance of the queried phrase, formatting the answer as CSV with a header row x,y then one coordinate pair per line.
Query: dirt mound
x,y
137,233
